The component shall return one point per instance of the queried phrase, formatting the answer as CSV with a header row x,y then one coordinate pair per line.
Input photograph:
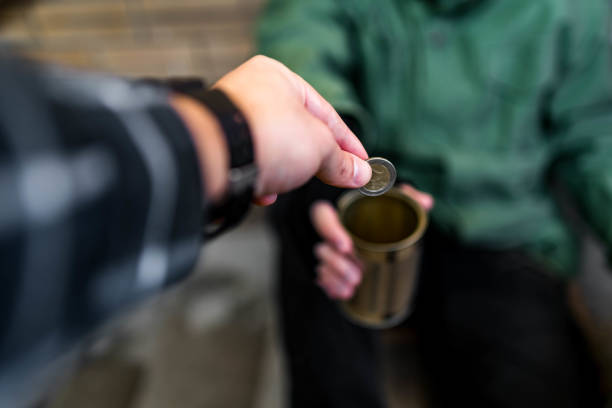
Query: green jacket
x,y
479,102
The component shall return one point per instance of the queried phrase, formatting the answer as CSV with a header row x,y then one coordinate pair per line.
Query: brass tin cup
x,y
386,232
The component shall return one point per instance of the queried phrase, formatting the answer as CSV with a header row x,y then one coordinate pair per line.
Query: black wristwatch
x,y
243,170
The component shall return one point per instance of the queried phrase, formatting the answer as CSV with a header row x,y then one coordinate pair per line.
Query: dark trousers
x,y
494,328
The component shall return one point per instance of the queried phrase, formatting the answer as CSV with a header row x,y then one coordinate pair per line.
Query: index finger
x,y
322,110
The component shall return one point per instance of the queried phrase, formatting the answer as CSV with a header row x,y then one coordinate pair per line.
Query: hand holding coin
x,y
383,177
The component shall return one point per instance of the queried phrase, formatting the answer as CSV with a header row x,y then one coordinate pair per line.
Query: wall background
x,y
138,37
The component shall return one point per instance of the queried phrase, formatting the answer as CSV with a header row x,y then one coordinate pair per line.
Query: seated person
x,y
480,104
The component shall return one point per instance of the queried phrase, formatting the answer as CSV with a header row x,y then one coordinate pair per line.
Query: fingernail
x,y
357,276
352,275
347,292
362,172
431,202
343,245
427,201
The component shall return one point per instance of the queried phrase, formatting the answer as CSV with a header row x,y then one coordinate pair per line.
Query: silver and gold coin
x,y
383,177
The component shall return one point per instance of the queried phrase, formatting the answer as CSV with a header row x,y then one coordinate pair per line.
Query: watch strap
x,y
243,171
234,125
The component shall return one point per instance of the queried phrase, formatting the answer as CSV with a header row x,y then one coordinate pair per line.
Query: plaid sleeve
x,y
101,204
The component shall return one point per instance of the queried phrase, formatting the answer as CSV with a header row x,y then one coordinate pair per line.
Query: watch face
x,y
383,177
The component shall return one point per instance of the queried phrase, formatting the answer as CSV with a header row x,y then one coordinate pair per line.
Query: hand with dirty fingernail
x,y
339,271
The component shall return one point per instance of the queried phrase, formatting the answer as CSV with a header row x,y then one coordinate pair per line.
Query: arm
x,y
104,180
102,197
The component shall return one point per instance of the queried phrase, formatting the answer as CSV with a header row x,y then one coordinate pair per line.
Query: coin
x,y
383,177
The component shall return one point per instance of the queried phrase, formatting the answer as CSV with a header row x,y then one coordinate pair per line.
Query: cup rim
x,y
350,197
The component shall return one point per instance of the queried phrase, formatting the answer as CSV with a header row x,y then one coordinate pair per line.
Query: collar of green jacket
x,y
449,6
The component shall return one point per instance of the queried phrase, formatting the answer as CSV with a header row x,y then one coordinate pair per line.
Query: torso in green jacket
x,y
480,103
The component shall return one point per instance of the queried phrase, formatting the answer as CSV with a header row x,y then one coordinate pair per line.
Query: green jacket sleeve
x,y
582,113
313,38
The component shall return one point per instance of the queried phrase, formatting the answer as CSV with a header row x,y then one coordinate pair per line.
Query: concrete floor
x,y
212,340
208,342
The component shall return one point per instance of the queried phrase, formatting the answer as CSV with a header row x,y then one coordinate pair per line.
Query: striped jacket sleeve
x,y
101,201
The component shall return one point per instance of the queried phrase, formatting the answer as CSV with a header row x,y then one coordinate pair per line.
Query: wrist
x,y
245,107
209,141
230,201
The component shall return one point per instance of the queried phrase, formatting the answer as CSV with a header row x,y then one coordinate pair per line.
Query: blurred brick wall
x,y
138,37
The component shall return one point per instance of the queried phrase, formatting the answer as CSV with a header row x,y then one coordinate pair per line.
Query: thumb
x,y
326,222
344,169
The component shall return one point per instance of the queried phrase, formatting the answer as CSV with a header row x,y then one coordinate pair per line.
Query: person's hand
x,y
296,133
339,271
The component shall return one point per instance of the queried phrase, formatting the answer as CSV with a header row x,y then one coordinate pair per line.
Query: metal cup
x,y
386,232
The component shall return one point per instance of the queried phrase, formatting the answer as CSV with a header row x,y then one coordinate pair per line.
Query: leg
x,y
332,363
495,330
